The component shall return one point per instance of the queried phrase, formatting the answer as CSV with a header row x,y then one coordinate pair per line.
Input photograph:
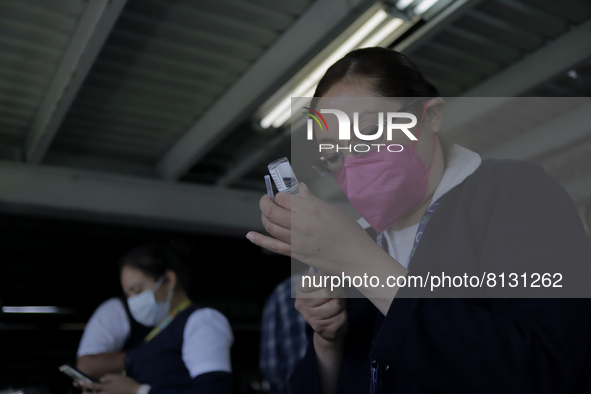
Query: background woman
x,y
167,345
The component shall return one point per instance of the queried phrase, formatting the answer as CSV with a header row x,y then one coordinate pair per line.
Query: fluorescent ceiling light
x,y
365,36
30,309
573,74
402,4
378,38
284,116
423,6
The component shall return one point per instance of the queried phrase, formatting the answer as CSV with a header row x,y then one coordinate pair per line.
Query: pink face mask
x,y
383,186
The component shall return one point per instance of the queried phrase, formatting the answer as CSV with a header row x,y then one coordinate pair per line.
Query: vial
x,y
283,176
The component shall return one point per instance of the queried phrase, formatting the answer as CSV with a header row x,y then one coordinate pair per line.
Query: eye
x,y
135,290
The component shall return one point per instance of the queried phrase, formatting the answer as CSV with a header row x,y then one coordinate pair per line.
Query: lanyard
x,y
424,220
377,370
164,323
422,224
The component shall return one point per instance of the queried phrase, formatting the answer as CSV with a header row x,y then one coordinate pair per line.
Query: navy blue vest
x,y
159,362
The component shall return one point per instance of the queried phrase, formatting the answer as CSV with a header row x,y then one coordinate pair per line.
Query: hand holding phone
x,y
76,375
285,181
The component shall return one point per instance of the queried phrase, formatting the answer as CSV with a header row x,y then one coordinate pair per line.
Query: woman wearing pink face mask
x,y
467,213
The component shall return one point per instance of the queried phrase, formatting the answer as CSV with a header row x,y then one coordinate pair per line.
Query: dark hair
x,y
382,70
154,260
389,73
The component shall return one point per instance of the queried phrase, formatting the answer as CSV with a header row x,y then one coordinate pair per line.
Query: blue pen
x,y
269,187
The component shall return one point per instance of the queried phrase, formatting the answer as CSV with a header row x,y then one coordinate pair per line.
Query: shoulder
x,y
506,194
510,172
208,322
497,180
207,341
110,315
106,330
111,305
111,309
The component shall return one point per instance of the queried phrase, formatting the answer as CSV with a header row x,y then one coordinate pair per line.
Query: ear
x,y
172,278
434,115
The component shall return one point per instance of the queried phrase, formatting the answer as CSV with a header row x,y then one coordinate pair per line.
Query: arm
x,y
97,365
329,355
354,362
326,313
100,348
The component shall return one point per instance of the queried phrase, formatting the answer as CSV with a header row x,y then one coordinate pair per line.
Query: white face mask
x,y
145,309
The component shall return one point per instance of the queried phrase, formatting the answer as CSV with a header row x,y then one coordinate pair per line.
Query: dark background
x,y
73,265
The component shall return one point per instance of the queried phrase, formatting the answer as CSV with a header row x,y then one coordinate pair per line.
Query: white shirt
x,y
461,163
207,337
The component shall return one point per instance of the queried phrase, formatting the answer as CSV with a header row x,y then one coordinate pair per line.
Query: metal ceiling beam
x,y
555,162
94,26
547,138
84,195
129,200
251,159
579,190
542,65
550,60
307,34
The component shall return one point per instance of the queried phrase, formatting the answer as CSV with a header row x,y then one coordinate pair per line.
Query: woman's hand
x,y
324,310
111,384
322,236
311,231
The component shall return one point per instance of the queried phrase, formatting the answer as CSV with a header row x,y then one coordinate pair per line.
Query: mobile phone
x,y
283,176
76,375
284,179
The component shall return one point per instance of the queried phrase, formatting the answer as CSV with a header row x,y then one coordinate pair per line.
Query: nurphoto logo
x,y
374,132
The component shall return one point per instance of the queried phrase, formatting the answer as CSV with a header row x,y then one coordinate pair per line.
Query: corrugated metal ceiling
x,y
481,44
492,36
34,35
165,63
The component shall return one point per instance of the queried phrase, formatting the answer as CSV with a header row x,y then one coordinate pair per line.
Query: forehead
x,y
131,276
350,100
351,96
